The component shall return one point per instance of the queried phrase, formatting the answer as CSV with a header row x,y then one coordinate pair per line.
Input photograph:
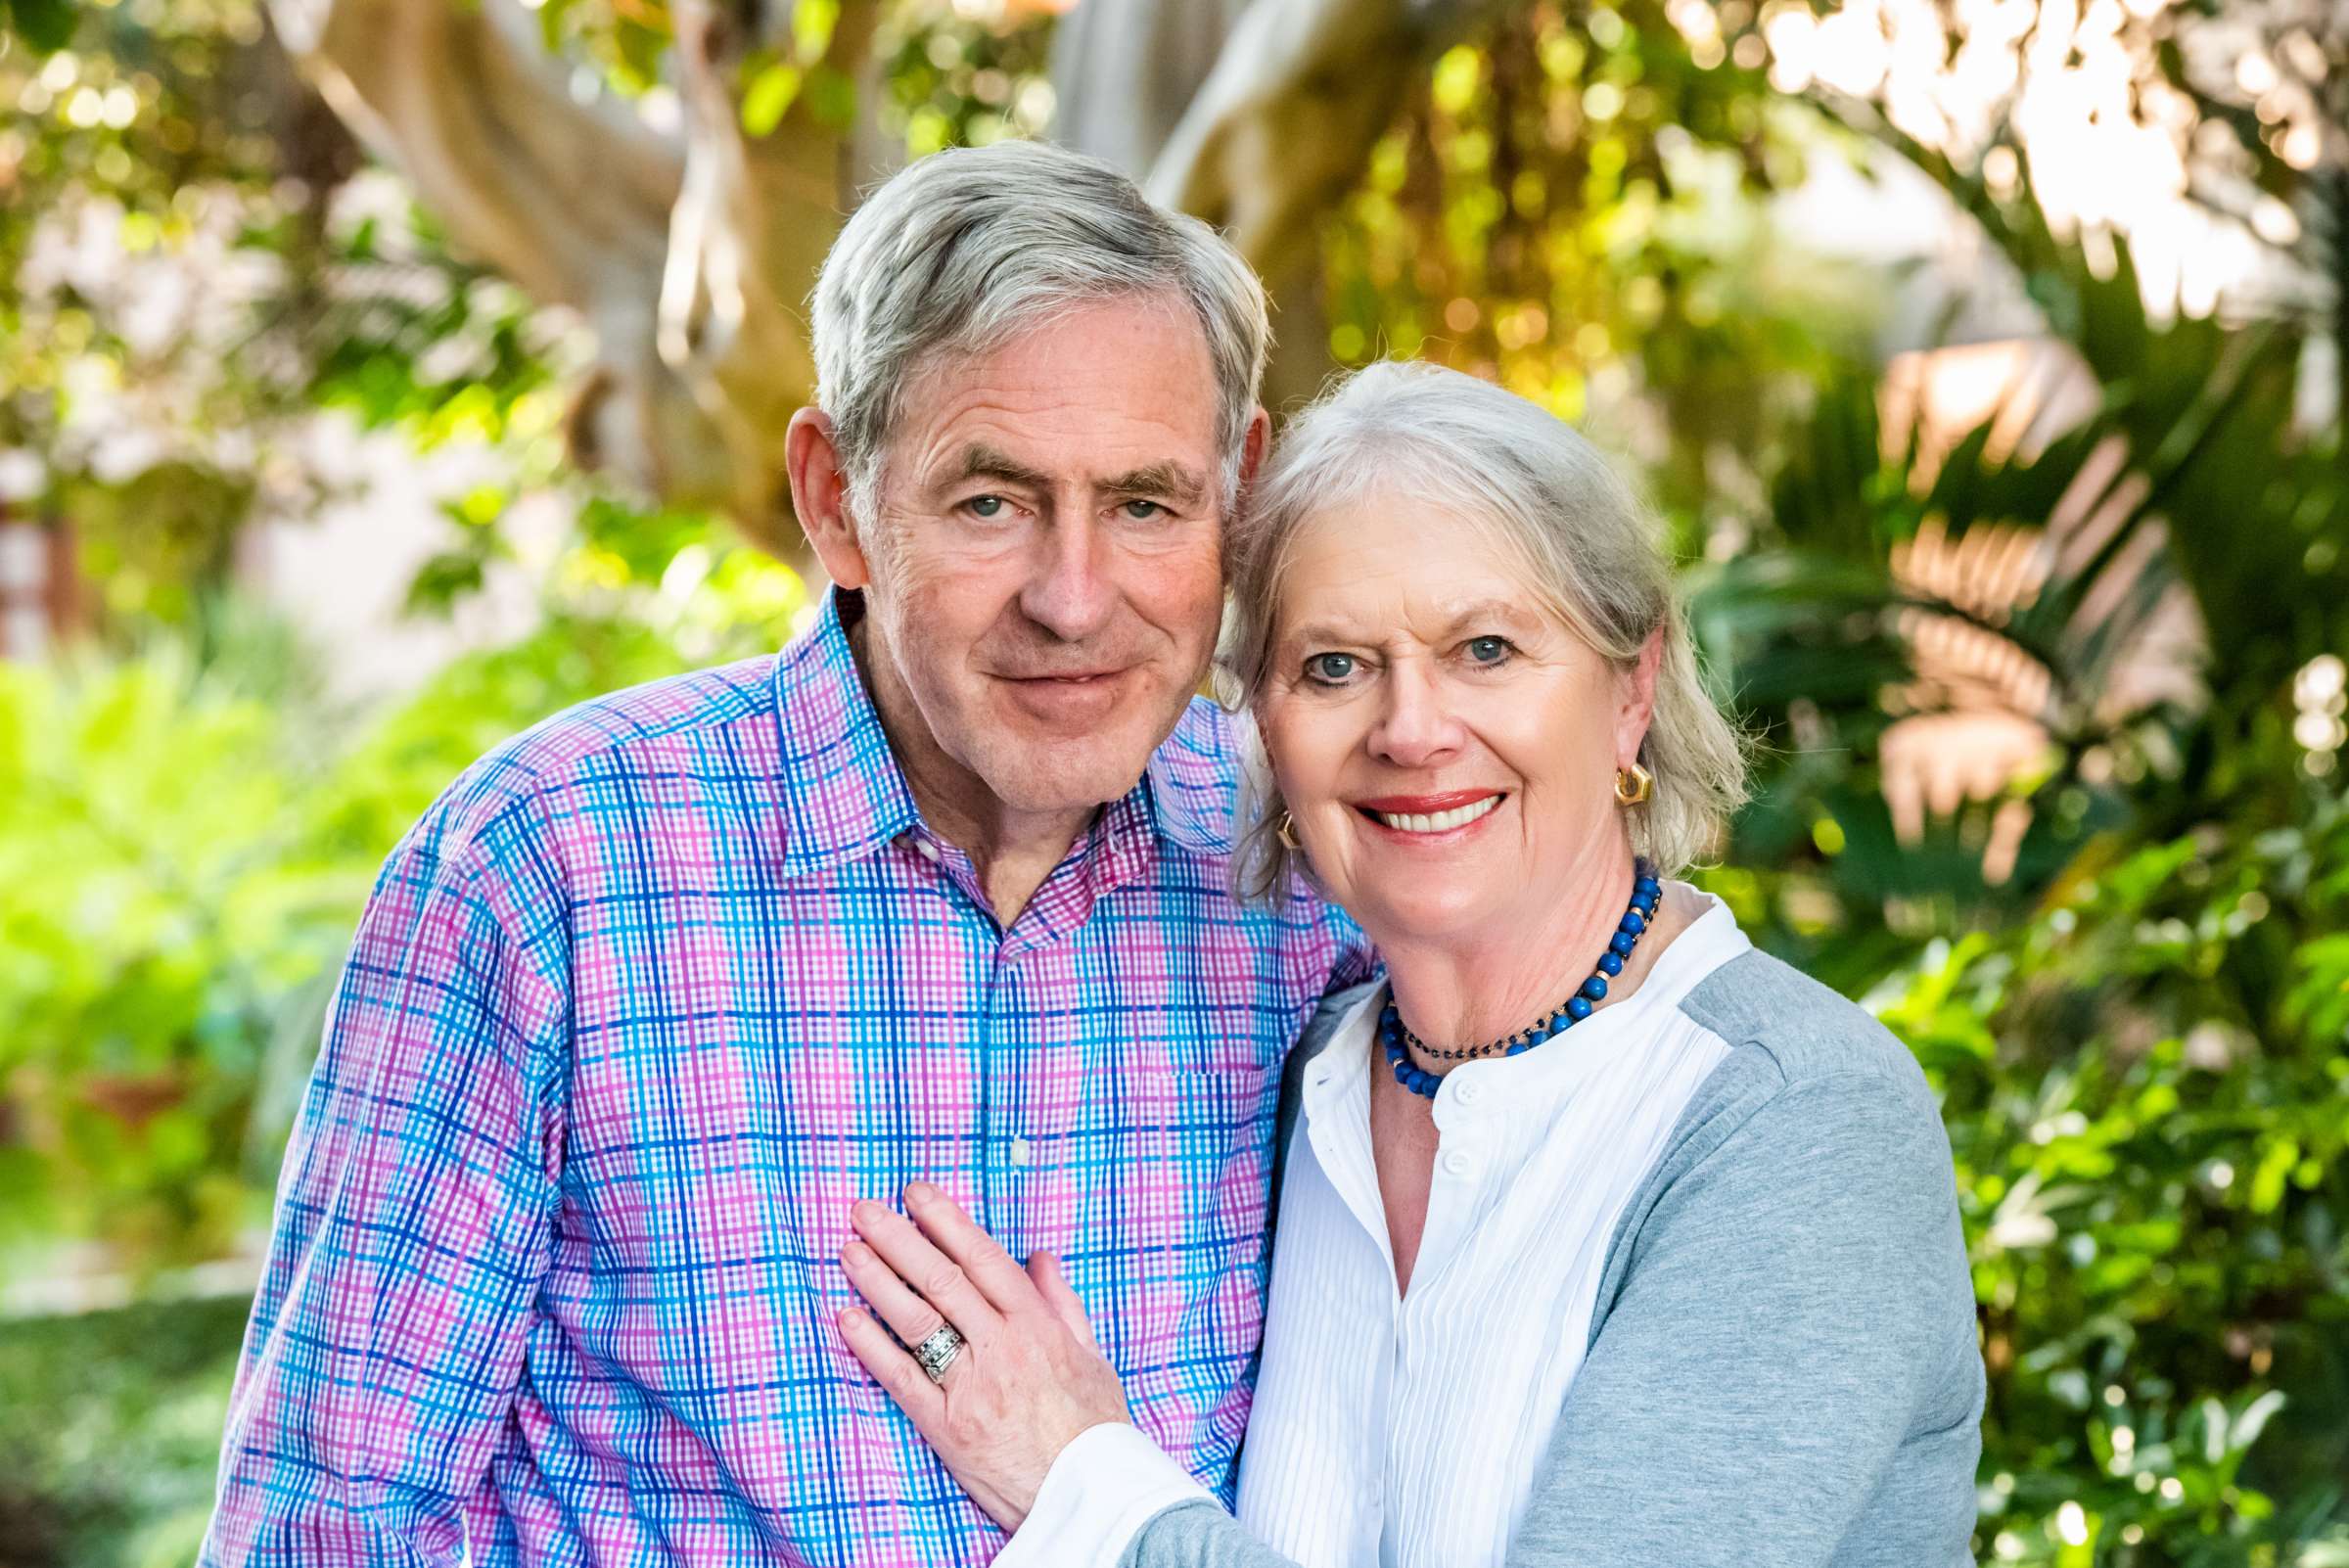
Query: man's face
x,y
1044,565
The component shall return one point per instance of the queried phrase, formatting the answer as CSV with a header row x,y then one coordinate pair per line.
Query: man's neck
x,y
1013,852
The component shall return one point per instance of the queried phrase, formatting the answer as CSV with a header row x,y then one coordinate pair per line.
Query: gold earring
x,y
1282,832
1633,784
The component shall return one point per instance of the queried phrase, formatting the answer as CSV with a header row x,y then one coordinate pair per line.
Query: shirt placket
x,y
1014,1021
1464,1114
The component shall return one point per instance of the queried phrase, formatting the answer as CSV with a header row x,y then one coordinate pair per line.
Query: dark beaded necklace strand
x,y
1399,1040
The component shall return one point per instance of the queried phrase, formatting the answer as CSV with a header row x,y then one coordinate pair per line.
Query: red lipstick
x,y
1425,804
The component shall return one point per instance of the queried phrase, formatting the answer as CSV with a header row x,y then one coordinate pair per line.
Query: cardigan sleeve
x,y
1794,1315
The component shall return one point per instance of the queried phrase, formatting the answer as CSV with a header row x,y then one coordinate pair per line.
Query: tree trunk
x,y
692,254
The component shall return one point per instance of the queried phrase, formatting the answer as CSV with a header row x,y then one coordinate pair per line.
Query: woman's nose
x,y
1414,727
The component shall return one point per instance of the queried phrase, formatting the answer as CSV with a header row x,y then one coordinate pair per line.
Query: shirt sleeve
x,y
412,1225
1797,1309
1105,1486
1199,1535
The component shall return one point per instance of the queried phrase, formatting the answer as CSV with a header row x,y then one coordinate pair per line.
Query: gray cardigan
x,y
1782,1369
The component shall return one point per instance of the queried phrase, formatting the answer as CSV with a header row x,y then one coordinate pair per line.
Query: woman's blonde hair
x,y
1593,553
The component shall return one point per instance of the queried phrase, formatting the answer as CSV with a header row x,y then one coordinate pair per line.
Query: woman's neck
x,y
1462,990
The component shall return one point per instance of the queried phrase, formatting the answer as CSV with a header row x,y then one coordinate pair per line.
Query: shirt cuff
x,y
1105,1486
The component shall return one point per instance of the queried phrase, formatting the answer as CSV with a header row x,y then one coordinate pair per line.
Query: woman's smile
x,y
1422,818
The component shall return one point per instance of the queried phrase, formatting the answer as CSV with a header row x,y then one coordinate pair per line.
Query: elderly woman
x,y
1603,1238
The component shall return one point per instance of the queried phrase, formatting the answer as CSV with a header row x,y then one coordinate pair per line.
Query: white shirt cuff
x,y
1105,1486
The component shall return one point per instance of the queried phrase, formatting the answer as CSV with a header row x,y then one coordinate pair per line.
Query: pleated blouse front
x,y
1406,1429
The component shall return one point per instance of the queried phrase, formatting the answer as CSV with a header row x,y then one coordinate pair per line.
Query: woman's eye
x,y
1329,668
1487,650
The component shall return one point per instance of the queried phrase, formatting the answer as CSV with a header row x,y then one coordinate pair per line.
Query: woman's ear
x,y
1639,700
819,494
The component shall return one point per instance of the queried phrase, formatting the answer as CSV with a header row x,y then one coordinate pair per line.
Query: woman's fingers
x,y
927,1272
1054,1285
899,1375
909,1317
981,1258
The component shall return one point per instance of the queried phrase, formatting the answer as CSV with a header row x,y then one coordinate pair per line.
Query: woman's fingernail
x,y
855,1252
919,1192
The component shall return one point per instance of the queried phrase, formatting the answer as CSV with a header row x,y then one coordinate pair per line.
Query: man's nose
x,y
1069,590
1414,727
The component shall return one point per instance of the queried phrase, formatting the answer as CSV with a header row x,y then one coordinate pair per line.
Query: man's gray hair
x,y
1548,500
961,252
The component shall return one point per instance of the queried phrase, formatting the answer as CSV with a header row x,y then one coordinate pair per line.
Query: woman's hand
x,y
1029,1377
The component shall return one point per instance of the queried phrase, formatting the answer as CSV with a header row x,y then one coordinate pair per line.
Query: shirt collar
x,y
1187,789
845,794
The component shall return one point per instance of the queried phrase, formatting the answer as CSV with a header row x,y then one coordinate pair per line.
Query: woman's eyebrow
x,y
1502,610
1319,631
1485,611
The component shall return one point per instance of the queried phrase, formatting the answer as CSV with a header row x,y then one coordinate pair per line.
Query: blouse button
x,y
1456,1163
1468,1093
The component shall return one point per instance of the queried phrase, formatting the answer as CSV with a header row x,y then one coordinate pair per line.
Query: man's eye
x,y
1487,650
1143,511
986,506
1329,668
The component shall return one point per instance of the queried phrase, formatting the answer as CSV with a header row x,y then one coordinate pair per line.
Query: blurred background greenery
x,y
1984,358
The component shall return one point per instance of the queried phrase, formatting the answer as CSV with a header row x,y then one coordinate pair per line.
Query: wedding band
x,y
936,1353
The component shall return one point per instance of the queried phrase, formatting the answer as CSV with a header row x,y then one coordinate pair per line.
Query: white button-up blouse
x,y
1405,1430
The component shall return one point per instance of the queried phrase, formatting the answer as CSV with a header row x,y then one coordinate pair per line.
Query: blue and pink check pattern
x,y
638,1009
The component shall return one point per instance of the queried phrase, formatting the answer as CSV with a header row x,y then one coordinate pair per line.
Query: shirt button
x,y
925,848
1019,1151
1458,1163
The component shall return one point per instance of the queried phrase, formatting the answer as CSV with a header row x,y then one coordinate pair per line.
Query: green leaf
x,y
46,24
770,97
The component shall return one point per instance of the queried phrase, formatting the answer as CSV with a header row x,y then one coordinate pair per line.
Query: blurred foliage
x,y
155,922
1570,197
2137,592
2149,1106
183,859
110,1426
200,265
2121,957
2136,1010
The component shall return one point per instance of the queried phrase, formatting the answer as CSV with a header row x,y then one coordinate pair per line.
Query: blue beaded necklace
x,y
1398,1039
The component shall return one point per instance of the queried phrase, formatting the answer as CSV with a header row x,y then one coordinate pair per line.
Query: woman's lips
x,y
1424,803
1420,816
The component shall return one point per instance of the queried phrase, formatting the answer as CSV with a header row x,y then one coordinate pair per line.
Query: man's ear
x,y
819,494
1253,445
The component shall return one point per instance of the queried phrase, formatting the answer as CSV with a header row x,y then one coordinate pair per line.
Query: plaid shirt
x,y
637,1010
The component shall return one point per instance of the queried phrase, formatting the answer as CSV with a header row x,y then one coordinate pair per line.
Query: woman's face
x,y
1446,745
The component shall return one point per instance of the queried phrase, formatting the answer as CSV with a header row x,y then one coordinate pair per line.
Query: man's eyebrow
x,y
1170,479
986,462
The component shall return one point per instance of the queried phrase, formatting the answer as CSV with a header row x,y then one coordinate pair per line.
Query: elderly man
x,y
939,894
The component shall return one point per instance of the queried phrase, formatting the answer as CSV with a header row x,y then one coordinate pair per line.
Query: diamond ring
x,y
938,1350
